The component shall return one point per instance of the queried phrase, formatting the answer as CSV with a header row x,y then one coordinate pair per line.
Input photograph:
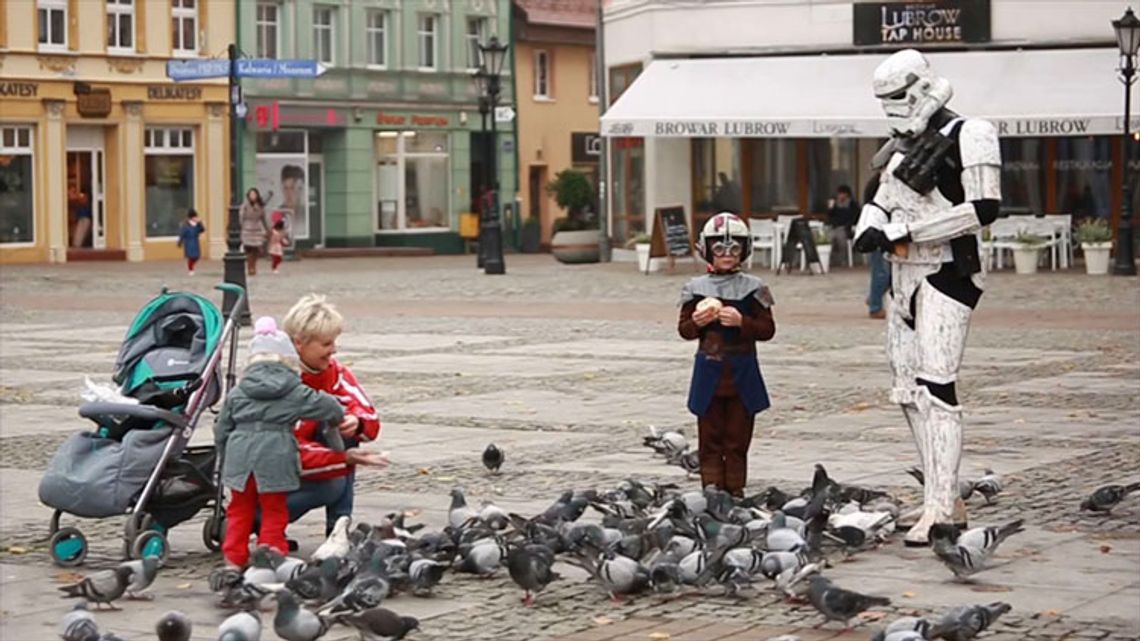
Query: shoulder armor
x,y
883,155
978,143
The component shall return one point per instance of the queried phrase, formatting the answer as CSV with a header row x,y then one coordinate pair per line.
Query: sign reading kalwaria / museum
x,y
932,23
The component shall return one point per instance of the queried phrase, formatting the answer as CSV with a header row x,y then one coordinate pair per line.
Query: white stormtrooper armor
x,y
939,184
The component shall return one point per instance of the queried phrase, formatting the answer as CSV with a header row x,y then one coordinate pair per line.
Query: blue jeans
x,y
335,495
880,281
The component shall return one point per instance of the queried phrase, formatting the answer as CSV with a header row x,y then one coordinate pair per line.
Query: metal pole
x,y
234,260
1125,264
481,201
605,252
493,259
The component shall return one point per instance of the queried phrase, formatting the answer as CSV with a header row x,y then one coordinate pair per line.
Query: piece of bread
x,y
710,303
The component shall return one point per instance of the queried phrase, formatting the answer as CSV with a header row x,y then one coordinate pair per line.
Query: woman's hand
x,y
349,426
356,456
704,316
729,316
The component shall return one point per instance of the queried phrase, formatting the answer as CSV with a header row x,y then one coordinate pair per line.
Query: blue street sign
x,y
197,69
266,68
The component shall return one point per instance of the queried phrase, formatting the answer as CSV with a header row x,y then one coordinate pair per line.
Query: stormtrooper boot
x,y
942,454
914,420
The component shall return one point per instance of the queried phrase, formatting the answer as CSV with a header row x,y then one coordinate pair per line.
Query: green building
x,y
385,148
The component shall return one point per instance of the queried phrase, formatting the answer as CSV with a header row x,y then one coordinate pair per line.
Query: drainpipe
x,y
604,250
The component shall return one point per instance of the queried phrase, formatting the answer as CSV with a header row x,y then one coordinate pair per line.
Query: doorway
x,y
316,199
86,189
537,194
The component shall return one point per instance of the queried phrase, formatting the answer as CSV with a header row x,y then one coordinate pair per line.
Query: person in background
x,y
188,239
880,269
842,213
278,240
253,228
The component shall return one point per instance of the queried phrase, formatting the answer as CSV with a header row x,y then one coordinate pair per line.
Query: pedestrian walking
x,y
255,432
727,311
188,239
278,240
253,228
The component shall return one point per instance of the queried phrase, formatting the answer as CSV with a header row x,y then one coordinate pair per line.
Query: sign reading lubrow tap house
x,y
908,24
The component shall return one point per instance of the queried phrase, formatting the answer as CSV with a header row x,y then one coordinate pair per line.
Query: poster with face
x,y
281,180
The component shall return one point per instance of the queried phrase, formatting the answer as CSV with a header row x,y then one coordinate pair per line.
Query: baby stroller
x,y
136,461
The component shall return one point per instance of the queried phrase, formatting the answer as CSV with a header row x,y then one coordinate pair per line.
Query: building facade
x,y
385,148
101,156
764,107
557,81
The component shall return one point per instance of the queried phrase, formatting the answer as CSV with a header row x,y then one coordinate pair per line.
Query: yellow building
x,y
100,154
557,94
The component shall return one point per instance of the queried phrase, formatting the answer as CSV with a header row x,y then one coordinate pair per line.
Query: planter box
x,y
1096,257
576,246
643,256
824,256
1025,259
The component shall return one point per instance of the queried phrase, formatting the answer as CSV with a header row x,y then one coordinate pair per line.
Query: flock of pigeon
x,y
650,538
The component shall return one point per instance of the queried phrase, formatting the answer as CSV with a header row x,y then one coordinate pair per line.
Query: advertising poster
x,y
282,182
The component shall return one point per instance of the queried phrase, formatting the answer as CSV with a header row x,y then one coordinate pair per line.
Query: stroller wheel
x,y
150,543
212,532
68,547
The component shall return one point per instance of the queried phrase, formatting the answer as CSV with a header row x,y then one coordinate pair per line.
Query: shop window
x,y
282,179
476,34
17,193
1023,175
120,26
1083,168
621,78
51,18
266,24
427,28
169,178
324,34
542,75
716,176
377,36
628,204
775,176
413,178
184,35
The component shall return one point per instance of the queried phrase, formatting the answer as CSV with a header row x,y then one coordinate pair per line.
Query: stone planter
x,y
1025,259
576,246
1096,258
642,256
824,252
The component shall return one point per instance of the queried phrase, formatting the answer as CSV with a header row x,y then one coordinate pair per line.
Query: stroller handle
x,y
98,410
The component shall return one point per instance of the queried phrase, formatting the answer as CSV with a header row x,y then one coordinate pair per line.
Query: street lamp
x,y
487,82
479,77
1128,39
234,260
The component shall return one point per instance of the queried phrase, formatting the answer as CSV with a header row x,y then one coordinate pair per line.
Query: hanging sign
x,y
931,23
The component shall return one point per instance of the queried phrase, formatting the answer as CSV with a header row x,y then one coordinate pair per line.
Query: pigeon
x,y
243,626
965,488
689,460
459,514
530,568
837,604
236,593
425,574
366,590
493,458
79,625
494,517
966,553
101,587
173,626
966,622
793,582
665,443
905,629
260,570
621,575
989,486
483,558
664,574
336,546
143,572
380,623
782,538
294,623
1105,498
286,567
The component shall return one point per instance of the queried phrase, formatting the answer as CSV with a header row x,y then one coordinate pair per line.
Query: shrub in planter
x,y
576,236
642,243
1095,239
822,247
1026,253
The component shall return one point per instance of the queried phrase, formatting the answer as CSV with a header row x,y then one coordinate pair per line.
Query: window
x,y
267,29
413,180
775,176
1084,176
476,35
1023,175
716,175
184,36
621,78
52,20
17,193
593,88
283,179
541,74
121,25
426,29
628,188
377,33
324,34
169,178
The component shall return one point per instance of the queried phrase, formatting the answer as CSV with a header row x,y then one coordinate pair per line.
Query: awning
x,y
1055,92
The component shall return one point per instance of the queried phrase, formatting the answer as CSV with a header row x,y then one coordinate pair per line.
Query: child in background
x,y
278,239
728,311
188,235
255,431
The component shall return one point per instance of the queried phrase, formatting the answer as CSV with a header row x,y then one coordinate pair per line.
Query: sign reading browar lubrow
x,y
908,24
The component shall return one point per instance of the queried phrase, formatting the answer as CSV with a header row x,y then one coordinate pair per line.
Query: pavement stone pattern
x,y
565,367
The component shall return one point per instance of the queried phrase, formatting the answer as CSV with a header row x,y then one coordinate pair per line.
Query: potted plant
x,y
823,247
642,243
1096,240
531,235
1026,251
576,236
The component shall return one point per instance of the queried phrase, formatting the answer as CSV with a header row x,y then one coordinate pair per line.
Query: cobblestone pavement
x,y
564,367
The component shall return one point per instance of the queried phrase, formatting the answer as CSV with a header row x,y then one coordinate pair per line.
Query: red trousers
x,y
724,435
239,522
190,262
274,260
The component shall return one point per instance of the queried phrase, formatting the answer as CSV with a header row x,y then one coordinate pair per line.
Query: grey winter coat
x,y
254,229
255,428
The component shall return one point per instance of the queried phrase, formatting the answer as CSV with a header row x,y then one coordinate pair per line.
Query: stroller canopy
x,y
169,342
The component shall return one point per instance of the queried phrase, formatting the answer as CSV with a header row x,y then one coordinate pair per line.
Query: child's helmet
x,y
724,229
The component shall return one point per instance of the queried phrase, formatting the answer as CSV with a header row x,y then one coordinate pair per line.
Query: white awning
x,y
1055,92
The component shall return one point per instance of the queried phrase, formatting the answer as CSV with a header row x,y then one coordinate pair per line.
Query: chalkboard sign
x,y
799,233
671,237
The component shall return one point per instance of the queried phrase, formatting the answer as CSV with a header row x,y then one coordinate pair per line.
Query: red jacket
x,y
318,462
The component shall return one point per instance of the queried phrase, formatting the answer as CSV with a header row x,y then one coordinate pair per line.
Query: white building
x,y
765,106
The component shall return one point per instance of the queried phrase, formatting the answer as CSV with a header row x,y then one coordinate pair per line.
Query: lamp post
x,y
234,260
490,228
1128,39
480,80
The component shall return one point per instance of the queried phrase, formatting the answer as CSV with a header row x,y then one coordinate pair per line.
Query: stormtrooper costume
x,y
938,184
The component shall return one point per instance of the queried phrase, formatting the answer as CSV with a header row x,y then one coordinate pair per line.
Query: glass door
x,y
316,199
388,196
98,202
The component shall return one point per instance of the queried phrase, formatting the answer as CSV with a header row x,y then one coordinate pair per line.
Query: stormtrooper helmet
x,y
725,234
909,91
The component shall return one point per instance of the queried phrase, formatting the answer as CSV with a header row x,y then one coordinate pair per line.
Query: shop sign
x,y
1044,127
935,22
173,92
275,115
714,128
94,104
19,89
585,147
418,120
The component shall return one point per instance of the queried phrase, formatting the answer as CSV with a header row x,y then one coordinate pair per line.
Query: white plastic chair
x,y
1064,226
765,235
1003,237
1048,230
